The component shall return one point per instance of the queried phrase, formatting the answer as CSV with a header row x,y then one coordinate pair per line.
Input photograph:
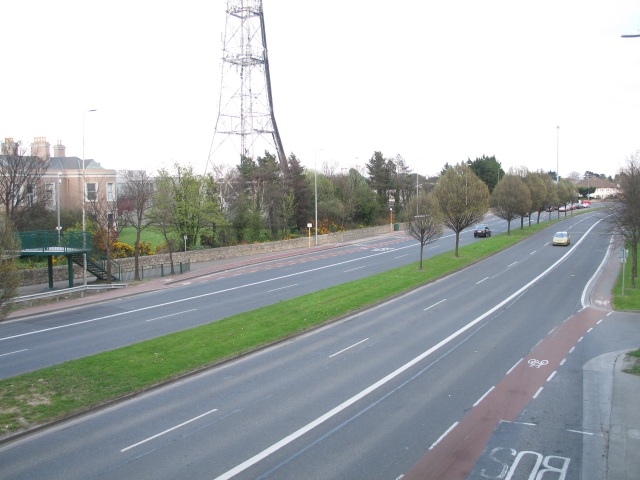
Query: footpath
x,y
618,392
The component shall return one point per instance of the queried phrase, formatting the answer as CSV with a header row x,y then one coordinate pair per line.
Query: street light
x,y
557,153
309,228
58,228
315,190
84,193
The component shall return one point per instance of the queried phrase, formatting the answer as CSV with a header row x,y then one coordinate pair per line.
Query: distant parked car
x,y
482,231
561,238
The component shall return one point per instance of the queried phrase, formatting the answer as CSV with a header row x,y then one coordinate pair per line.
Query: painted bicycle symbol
x,y
537,363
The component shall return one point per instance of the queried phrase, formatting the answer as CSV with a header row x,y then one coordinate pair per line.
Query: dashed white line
x,y
167,431
572,349
442,436
350,346
551,376
482,397
562,362
580,432
282,288
580,339
533,252
514,366
170,315
437,303
589,331
538,392
479,282
11,353
511,264
353,269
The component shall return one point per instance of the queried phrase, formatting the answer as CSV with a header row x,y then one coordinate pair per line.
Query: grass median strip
x,y
55,392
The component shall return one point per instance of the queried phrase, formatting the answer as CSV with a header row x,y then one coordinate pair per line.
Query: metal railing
x,y
46,241
66,291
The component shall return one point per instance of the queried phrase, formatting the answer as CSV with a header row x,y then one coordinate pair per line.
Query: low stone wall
x,y
39,275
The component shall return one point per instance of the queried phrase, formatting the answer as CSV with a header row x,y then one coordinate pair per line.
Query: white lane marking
x,y
512,264
589,331
572,349
514,366
282,288
442,436
562,362
482,397
551,376
187,299
538,392
11,353
170,315
578,431
350,401
533,252
353,269
350,346
437,303
480,281
400,256
167,430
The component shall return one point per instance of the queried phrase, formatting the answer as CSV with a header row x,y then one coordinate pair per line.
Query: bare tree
x,y
102,211
21,191
565,191
9,274
426,227
538,191
162,212
510,198
463,198
135,202
625,214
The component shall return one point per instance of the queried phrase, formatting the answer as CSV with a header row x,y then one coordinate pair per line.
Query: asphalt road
x,y
378,395
28,344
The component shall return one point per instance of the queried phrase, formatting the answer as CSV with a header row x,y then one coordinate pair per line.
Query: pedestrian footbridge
x,y
74,245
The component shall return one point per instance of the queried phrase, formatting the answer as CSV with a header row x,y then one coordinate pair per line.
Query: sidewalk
x,y
197,270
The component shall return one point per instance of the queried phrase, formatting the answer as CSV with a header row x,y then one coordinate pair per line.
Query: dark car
x,y
482,231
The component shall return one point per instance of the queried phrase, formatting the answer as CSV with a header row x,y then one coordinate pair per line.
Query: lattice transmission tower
x,y
245,109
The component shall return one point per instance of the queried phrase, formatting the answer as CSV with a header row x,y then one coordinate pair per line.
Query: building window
x,y
110,190
92,192
31,194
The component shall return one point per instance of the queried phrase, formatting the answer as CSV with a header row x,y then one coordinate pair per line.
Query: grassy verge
x,y
58,391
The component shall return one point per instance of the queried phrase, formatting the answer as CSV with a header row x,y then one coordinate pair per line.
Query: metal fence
x,y
46,241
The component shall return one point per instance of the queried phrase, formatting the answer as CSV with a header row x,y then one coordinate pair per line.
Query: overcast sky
x,y
434,82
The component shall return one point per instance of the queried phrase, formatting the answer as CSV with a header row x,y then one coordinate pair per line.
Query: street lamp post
x,y
391,219
309,228
315,190
84,194
557,153
58,185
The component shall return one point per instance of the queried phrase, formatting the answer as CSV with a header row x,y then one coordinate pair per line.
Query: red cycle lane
x,y
455,454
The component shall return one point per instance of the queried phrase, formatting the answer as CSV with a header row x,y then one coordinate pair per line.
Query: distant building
x,y
603,187
68,173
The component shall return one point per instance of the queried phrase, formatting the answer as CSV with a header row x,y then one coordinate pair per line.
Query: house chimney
x,y
40,148
10,147
58,149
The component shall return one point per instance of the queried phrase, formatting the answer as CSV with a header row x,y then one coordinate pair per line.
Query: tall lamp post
x,y
557,153
315,190
84,194
58,185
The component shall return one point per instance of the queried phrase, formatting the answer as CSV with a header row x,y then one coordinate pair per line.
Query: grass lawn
x,y
128,235
57,391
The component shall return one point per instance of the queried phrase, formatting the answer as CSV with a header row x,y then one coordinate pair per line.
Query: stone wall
x,y
39,275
